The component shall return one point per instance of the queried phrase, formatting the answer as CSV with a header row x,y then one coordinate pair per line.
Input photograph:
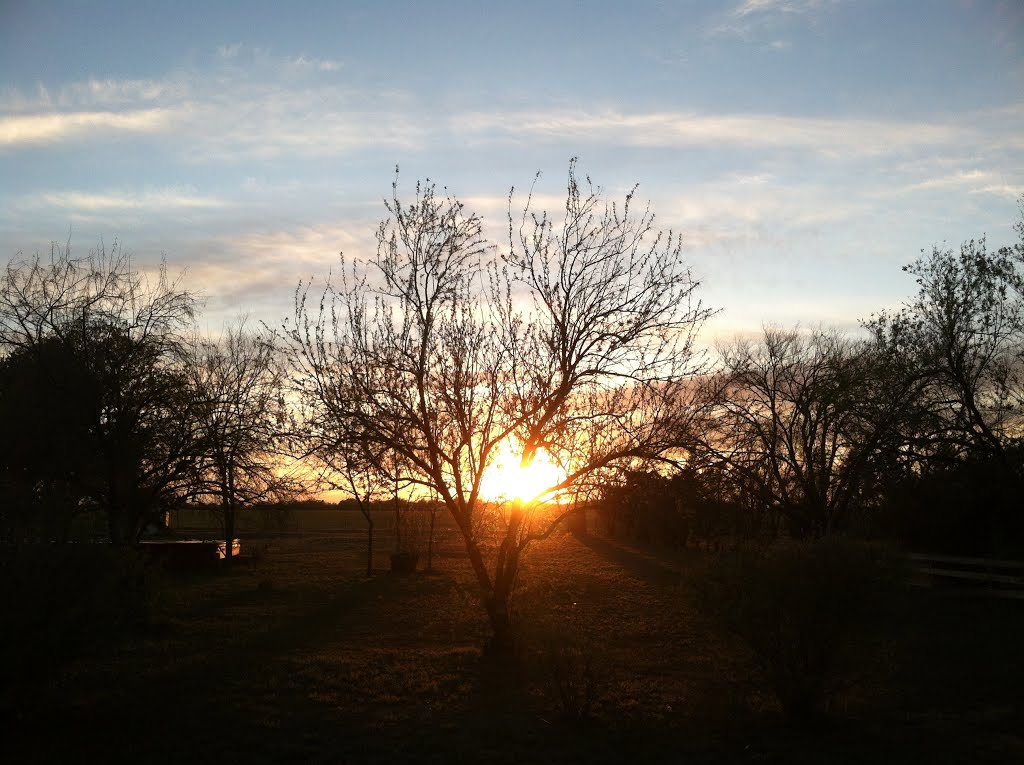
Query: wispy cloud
x,y
753,16
973,182
26,130
945,176
97,95
272,258
753,7
161,199
252,105
245,103
682,130
319,64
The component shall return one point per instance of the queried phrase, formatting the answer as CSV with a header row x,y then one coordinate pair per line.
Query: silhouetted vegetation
x,y
110,344
913,433
749,478
238,391
420,361
808,610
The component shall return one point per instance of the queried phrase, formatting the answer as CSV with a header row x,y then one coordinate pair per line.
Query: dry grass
x,y
296,656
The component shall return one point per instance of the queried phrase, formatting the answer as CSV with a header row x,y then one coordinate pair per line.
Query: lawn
x,y
292,654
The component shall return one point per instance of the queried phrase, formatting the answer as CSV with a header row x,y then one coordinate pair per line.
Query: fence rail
x,y
989,577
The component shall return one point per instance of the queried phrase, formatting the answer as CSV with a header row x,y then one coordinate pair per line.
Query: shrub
x,y
571,678
805,609
60,601
558,655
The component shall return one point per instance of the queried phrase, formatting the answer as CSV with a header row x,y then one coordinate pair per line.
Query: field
x,y
292,654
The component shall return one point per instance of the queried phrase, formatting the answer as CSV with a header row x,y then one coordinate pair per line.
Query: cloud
x,y
162,199
246,103
752,7
727,210
494,207
973,181
754,16
249,104
293,125
260,270
318,64
97,95
25,130
967,180
695,130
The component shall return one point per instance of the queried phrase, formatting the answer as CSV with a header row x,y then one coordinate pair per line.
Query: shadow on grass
x,y
642,565
389,669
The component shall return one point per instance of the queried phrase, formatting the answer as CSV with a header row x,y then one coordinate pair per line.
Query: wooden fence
x,y
972,576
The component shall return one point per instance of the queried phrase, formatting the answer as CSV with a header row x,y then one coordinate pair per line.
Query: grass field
x,y
294,655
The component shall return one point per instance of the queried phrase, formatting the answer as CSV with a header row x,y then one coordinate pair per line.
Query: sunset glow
x,y
507,479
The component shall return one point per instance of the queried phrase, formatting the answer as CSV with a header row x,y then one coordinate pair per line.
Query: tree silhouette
x,y
124,333
961,338
955,352
797,418
243,420
577,341
46,394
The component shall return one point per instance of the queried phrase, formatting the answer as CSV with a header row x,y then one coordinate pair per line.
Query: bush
x,y
61,601
571,678
560,658
807,611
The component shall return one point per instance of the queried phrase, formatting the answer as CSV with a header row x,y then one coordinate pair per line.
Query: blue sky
x,y
805,148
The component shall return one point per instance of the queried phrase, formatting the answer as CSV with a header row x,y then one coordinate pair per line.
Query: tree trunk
x,y
228,504
398,521
430,540
502,640
229,513
369,545
496,593
229,530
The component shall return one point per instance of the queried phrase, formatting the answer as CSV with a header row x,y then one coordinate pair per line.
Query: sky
x,y
804,149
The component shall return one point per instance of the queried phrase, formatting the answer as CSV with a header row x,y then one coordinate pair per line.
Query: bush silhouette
x,y
805,609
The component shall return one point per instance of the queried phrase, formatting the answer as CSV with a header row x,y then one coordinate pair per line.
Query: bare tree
x,y
61,294
577,341
126,332
239,402
366,482
797,418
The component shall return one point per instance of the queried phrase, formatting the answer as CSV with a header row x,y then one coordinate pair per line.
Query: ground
x,y
294,655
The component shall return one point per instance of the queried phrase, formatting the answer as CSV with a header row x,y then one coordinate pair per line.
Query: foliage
x,y
689,505
954,353
125,399
805,609
46,397
961,340
966,507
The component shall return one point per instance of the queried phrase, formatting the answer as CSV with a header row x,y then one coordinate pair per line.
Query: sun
x,y
507,479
